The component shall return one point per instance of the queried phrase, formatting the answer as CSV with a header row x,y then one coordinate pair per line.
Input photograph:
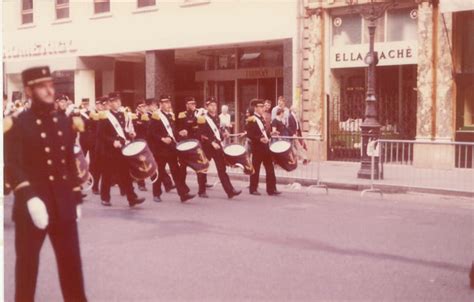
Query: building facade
x,y
425,69
234,50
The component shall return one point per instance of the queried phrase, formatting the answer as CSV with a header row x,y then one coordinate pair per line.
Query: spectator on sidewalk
x,y
267,114
294,129
281,105
225,119
278,127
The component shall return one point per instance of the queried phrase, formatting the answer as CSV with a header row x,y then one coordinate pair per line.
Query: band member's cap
x,y
114,96
189,99
36,75
140,103
100,100
165,98
210,101
256,102
62,97
150,101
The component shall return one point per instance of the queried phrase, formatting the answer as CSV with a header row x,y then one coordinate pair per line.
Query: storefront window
x,y
225,61
346,30
261,57
402,24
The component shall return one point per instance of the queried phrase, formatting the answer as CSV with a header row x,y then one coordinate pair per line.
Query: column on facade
x,y
159,73
84,85
288,70
314,89
426,72
445,81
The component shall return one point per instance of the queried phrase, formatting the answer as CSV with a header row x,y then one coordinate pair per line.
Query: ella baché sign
x,y
389,53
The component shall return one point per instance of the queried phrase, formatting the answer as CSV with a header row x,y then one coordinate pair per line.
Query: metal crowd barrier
x,y
424,165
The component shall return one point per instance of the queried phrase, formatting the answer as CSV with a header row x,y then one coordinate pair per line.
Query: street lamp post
x,y
370,127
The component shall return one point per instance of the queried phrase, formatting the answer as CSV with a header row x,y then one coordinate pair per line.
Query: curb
x,y
391,189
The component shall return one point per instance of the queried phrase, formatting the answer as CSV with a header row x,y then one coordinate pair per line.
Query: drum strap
x,y
261,126
116,125
83,113
167,125
214,128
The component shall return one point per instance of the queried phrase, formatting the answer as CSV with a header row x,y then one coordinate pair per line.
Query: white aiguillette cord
x,y
167,125
113,120
260,125
213,126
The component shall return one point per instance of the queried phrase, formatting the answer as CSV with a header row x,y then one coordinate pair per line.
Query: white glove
x,y
38,212
78,212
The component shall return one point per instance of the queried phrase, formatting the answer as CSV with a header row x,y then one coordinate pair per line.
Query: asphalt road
x,y
301,246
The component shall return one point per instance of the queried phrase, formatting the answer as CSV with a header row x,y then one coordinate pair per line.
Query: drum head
x,y
234,150
133,148
187,145
280,146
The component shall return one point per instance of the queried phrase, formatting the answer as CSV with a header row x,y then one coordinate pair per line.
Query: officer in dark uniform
x,y
40,167
259,141
112,132
162,136
86,137
188,129
211,138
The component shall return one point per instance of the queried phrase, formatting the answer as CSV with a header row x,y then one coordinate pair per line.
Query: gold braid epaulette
x,y
145,117
182,114
251,119
201,120
156,116
103,115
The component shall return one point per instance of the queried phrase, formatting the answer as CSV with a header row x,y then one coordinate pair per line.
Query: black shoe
x,y
95,191
203,195
256,193
170,188
234,193
136,200
274,193
157,199
209,186
142,188
106,203
187,197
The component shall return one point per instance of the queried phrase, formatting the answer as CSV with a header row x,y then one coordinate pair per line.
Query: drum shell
x,y
241,160
142,165
82,167
193,158
286,159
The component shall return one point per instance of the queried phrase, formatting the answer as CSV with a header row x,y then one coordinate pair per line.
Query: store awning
x,y
447,6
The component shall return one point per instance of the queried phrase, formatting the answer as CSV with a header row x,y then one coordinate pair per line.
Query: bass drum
x,y
283,155
191,154
141,162
236,155
84,177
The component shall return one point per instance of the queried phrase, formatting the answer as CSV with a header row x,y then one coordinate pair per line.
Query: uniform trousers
x,y
65,241
117,167
218,156
264,157
170,159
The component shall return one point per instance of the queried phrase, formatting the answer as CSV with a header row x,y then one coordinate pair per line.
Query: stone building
x,y
424,75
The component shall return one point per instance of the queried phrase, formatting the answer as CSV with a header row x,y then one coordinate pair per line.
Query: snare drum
x,y
190,153
283,155
236,155
140,160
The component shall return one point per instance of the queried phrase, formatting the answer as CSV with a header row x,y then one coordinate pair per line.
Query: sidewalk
x,y
397,178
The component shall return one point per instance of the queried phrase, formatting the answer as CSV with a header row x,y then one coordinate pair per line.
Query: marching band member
x,y
212,138
95,165
152,106
114,135
140,123
188,129
40,167
162,137
259,141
